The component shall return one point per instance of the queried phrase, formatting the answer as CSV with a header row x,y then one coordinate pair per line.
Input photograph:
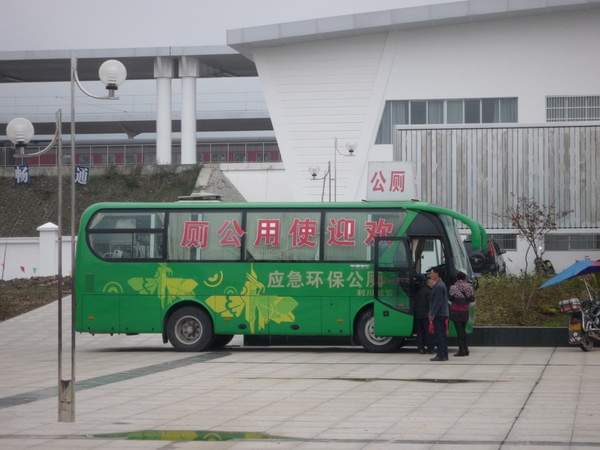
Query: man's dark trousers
x,y
439,333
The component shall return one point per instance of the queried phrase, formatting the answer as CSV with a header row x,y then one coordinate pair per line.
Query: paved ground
x,y
134,392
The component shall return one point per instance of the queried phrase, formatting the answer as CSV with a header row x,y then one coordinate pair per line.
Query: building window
x,y
434,112
569,242
218,157
239,157
572,109
131,159
472,111
505,241
109,160
418,113
263,157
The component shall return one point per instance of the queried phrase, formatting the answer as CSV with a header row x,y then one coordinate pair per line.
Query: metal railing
x,y
96,155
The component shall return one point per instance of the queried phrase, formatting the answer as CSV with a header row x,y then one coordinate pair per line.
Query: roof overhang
x,y
245,40
54,65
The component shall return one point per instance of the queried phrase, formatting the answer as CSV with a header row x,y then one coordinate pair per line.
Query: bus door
x,y
393,284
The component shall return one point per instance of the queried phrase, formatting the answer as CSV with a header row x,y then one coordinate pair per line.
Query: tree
x,y
533,222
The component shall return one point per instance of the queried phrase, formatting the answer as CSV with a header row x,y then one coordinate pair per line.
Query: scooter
x,y
584,317
543,265
584,321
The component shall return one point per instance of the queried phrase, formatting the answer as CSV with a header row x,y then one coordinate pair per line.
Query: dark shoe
x,y
437,358
460,354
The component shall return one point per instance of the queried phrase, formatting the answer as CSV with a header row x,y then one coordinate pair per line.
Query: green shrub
x,y
503,300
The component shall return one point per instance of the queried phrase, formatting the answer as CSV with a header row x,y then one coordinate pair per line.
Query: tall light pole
x,y
112,73
314,171
20,132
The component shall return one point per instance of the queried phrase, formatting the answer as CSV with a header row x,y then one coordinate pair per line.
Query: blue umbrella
x,y
575,270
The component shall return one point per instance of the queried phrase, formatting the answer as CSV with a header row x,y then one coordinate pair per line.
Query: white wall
x,y
318,93
259,182
26,257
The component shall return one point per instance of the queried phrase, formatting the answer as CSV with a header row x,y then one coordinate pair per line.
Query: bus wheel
x,y
190,329
365,333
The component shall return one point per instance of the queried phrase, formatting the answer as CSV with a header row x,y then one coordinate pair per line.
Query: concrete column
x,y
48,250
188,72
163,72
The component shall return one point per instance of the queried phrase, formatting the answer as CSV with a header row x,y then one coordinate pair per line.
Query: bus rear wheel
x,y
365,333
190,329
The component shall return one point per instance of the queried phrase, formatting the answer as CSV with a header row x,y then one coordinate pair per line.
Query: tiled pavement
x,y
135,392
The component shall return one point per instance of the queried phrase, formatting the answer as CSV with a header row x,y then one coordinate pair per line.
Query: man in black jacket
x,y
438,314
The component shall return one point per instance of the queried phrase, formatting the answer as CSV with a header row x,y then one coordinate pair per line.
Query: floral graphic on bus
x,y
259,309
163,285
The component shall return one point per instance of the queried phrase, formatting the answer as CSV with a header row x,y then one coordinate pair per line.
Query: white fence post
x,y
48,260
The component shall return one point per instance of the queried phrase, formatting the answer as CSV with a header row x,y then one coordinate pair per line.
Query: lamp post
x,y
20,131
350,148
112,73
314,170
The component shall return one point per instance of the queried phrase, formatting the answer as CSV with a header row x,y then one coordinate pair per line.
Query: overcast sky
x,y
88,24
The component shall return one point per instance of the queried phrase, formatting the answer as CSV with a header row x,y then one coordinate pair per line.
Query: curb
x,y
481,337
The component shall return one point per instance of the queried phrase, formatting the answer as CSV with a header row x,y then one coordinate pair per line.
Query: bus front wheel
x,y
190,329
365,333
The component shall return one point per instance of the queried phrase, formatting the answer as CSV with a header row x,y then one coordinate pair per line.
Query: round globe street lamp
x,y
20,131
112,73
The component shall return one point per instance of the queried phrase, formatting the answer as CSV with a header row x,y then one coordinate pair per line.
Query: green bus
x,y
202,272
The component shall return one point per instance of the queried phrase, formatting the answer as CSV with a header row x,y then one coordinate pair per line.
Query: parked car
x,y
490,261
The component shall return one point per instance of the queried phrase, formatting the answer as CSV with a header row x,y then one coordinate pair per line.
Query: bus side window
x,y
126,235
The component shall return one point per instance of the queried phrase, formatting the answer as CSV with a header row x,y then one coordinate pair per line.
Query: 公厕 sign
x,y
391,181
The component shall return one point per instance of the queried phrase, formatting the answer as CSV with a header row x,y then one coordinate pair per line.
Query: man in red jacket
x,y
461,294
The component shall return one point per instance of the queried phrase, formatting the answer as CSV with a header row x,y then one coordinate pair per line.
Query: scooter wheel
x,y
587,343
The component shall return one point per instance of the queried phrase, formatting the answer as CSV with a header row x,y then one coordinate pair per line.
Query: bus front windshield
x,y
457,248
